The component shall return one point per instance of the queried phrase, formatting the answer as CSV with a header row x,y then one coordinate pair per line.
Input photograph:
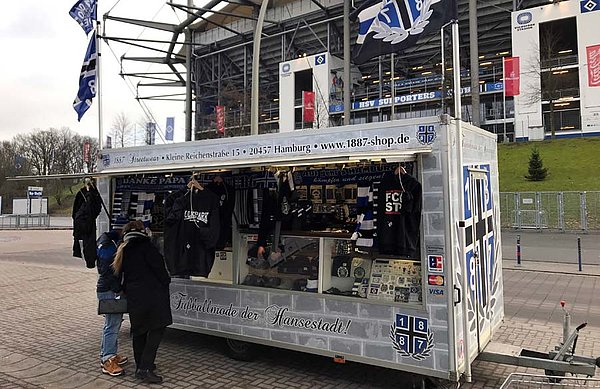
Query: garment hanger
x,y
194,184
400,170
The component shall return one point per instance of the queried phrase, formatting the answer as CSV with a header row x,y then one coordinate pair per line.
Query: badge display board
x,y
395,280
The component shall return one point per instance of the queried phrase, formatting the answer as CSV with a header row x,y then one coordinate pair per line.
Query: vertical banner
x,y
512,76
108,142
170,128
86,152
220,112
308,104
593,60
150,133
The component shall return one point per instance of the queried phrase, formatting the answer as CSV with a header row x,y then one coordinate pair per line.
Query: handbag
x,y
112,306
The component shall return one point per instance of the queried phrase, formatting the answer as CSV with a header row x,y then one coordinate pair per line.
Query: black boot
x,y
148,376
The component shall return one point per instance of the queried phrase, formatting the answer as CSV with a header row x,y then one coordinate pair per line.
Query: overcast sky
x,y
42,51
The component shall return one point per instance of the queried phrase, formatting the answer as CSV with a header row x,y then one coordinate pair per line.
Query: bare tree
x,y
121,129
70,152
41,149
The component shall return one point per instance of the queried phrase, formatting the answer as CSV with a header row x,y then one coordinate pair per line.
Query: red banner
x,y
308,100
220,111
86,152
512,76
593,59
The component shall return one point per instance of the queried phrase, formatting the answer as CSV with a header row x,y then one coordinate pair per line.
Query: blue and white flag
x,y
170,128
87,80
388,26
84,13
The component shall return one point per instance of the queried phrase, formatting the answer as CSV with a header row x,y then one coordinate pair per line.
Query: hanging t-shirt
x,y
226,196
399,215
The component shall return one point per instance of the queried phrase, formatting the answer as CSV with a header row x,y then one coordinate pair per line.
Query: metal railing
x,y
563,211
24,221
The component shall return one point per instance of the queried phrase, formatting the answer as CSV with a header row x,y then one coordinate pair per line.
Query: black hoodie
x,y
195,218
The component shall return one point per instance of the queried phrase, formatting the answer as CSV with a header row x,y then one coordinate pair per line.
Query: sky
x,y
42,52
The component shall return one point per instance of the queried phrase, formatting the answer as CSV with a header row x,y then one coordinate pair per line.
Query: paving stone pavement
x,y
50,335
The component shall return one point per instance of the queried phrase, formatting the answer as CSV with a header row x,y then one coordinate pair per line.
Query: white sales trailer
x,y
331,291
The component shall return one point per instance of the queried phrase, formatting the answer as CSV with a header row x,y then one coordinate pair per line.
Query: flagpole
x,y
461,205
347,79
443,67
98,78
504,98
392,86
456,72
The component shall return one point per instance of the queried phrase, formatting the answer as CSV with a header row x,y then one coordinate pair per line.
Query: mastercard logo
x,y
436,280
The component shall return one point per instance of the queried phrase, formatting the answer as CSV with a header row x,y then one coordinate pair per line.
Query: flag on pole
x,y
512,76
150,133
170,128
19,162
308,105
220,116
388,26
87,80
84,13
593,59
87,146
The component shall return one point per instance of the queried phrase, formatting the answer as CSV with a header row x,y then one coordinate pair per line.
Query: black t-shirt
x,y
399,215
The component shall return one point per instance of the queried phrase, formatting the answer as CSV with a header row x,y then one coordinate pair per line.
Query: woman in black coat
x,y
146,285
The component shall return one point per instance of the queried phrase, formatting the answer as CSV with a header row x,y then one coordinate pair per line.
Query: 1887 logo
x,y
412,337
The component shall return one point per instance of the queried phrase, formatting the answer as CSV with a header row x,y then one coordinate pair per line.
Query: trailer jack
x,y
558,362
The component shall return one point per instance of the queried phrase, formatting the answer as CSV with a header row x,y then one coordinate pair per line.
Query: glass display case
x,y
294,265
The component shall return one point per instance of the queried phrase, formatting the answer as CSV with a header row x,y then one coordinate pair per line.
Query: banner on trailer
x,y
593,59
408,138
512,76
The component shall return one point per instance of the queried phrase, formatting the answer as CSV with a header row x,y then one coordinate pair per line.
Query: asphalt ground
x,y
50,333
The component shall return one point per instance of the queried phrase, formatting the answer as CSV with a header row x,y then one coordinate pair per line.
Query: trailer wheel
x,y
240,350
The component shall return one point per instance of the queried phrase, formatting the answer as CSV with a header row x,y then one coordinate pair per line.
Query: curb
x,y
541,270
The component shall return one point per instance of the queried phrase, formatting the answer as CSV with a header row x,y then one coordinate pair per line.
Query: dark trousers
x,y
145,347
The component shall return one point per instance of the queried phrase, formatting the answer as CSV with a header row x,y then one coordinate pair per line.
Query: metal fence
x,y
24,221
563,211
531,381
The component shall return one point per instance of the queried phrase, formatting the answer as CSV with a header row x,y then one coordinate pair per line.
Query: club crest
x,y
412,337
426,134
393,21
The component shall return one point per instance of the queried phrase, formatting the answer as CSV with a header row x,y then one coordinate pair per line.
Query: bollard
x,y
519,250
579,253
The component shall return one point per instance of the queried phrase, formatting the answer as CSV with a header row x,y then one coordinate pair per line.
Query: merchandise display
x,y
285,217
